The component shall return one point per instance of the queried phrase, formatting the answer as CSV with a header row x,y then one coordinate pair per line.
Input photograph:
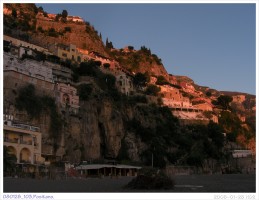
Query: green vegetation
x,y
152,90
208,94
24,21
52,32
34,105
161,81
64,14
223,102
88,69
197,143
159,136
29,101
109,45
85,91
140,80
135,60
106,65
9,161
67,29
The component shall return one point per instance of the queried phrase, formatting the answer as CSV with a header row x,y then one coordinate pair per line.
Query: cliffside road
x,y
194,183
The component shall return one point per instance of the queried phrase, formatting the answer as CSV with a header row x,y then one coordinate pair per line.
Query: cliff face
x,y
102,129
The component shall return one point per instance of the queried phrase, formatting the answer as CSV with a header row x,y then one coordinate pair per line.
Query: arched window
x,y
66,99
25,155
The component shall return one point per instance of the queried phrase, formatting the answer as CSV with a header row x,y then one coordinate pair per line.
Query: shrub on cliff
x,y
85,91
152,90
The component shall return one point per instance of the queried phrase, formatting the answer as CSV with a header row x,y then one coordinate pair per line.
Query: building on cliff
x,y
20,43
60,73
23,140
75,19
66,97
68,52
18,73
124,83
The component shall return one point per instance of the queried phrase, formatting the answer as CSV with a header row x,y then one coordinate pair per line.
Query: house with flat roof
x,y
68,52
23,140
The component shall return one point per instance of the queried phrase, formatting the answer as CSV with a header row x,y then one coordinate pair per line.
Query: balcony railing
x,y
14,140
26,142
25,127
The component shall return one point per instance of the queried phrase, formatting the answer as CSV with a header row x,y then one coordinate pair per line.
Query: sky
x,y
213,44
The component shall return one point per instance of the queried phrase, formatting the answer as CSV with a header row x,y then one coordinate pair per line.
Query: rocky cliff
x,y
109,125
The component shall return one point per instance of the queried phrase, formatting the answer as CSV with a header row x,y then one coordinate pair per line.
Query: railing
x,y
26,127
26,142
15,140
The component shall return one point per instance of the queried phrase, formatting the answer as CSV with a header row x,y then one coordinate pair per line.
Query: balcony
x,y
25,127
14,140
26,142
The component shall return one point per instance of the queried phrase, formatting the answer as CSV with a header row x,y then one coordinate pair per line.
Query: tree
x,y
208,94
145,50
131,48
152,90
140,80
109,44
57,17
106,65
224,101
40,56
28,100
14,13
52,32
40,9
216,134
67,29
87,69
161,80
64,14
84,91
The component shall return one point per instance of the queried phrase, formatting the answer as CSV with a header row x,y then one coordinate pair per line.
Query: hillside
x,y
139,61
33,25
170,117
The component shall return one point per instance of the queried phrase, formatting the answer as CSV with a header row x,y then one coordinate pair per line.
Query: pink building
x,y
66,97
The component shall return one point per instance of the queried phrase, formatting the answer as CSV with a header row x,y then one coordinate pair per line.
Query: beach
x,y
183,183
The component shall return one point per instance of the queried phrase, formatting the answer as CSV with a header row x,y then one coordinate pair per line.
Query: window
x,y
64,54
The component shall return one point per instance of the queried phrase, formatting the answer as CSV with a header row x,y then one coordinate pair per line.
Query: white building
x,y
28,67
124,83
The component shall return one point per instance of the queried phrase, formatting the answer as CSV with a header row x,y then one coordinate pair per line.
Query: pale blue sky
x,y
214,44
